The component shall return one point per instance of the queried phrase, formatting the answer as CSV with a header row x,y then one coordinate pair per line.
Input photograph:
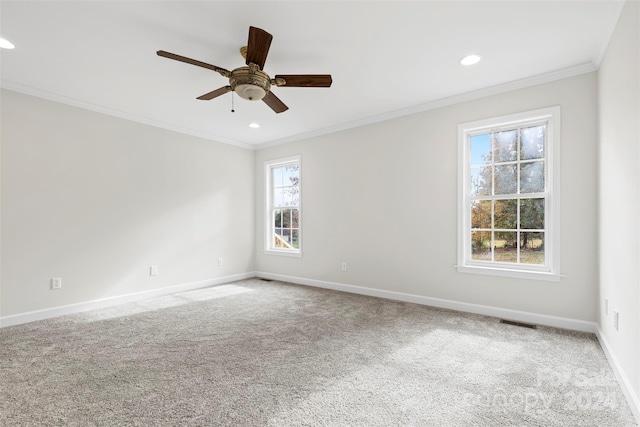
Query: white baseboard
x,y
521,316
625,385
503,313
48,313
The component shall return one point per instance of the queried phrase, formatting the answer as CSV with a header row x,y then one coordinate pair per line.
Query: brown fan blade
x,y
305,80
181,58
215,93
258,46
274,102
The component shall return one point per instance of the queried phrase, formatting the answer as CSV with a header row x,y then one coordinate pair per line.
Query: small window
x,y
283,223
508,196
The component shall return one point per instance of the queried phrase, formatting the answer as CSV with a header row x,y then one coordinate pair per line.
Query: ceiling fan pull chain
x,y
232,107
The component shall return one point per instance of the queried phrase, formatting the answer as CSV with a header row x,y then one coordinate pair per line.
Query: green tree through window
x,y
283,205
508,195
507,212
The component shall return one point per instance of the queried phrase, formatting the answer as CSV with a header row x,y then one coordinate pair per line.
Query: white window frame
x,y
269,231
551,270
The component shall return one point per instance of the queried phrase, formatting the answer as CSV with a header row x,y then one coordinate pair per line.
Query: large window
x,y
508,195
283,206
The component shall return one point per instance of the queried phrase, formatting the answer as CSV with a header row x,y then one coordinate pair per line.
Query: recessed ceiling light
x,y
254,125
6,44
471,59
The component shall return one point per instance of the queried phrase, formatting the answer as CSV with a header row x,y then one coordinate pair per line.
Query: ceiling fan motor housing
x,y
250,83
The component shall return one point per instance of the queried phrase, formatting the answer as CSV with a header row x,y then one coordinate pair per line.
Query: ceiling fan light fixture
x,y
472,59
250,92
250,83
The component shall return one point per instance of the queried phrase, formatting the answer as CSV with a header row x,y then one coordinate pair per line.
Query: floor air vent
x,y
521,324
266,280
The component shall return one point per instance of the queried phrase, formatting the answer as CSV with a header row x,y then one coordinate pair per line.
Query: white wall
x,y
96,200
619,193
383,199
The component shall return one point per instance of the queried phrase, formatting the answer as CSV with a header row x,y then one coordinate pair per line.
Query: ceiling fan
x,y
250,82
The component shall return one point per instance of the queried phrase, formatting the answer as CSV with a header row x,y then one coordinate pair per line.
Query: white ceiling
x,y
387,58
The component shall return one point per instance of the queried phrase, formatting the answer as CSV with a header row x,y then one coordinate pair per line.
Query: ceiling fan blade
x,y
215,93
274,102
258,46
181,58
305,80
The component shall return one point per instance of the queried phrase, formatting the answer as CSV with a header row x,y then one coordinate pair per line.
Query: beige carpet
x,y
256,353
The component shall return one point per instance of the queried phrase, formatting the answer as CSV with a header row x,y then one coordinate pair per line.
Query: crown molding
x,y
439,103
28,90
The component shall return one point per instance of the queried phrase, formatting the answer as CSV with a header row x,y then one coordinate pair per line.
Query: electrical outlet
x,y
219,262
56,283
153,270
344,266
616,318
606,306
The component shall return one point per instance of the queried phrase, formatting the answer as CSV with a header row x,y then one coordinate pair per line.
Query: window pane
x,y
286,218
532,248
481,214
294,218
277,177
282,238
286,176
532,214
505,146
506,179
506,246
295,195
506,214
481,245
277,197
294,175
480,149
295,239
532,142
481,181
279,242
277,218
288,196
532,177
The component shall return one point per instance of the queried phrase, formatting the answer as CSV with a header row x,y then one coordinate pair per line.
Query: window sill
x,y
296,254
505,272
